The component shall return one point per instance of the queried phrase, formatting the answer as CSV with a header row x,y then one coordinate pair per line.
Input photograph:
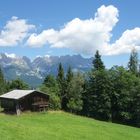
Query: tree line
x,y
104,94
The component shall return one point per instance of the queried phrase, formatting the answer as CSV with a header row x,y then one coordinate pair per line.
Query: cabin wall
x,y
25,103
31,101
39,98
8,104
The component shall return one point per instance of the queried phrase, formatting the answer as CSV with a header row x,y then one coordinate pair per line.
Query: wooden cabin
x,y
21,100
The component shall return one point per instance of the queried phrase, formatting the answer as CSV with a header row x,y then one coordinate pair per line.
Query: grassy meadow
x,y
62,126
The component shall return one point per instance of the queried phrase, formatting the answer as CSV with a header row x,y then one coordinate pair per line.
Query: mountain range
x,y
34,71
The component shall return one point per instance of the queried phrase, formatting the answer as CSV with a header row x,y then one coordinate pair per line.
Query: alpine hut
x,y
21,100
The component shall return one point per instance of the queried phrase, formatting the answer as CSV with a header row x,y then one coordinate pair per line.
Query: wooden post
x,y
17,109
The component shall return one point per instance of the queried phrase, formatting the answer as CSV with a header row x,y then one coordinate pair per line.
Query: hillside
x,y
62,126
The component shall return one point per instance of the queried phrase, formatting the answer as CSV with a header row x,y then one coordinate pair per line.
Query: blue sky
x,y
62,16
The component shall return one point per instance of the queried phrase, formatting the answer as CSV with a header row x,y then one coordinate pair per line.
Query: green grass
x,y
62,126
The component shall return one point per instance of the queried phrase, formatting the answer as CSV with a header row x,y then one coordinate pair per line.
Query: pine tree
x,y
133,62
97,62
136,106
69,75
2,82
97,96
18,84
50,87
49,81
124,88
100,103
60,75
62,85
75,102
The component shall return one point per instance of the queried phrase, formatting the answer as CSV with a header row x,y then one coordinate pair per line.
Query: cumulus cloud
x,y
82,36
87,36
130,39
14,31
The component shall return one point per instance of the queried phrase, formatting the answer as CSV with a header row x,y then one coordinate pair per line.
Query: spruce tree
x,y
97,62
60,75
2,82
124,88
136,106
69,75
50,87
49,81
97,97
62,85
133,62
18,84
75,88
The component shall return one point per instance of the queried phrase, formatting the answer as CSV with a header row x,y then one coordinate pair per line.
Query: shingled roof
x,y
17,94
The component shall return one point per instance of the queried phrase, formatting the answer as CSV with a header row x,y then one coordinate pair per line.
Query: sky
x,y
67,27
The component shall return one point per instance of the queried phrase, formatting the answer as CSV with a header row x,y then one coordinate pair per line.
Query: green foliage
x,y
51,87
135,107
75,90
2,83
17,84
6,86
97,62
98,95
75,105
62,85
133,62
124,84
50,81
97,101
60,75
54,100
69,75
113,94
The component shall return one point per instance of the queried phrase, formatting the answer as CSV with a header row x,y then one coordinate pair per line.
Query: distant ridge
x,y
33,72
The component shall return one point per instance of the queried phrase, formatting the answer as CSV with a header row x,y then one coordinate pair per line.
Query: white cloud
x,y
14,32
87,36
129,39
82,36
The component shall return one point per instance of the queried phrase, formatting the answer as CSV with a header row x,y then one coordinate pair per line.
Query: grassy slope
x,y
61,126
